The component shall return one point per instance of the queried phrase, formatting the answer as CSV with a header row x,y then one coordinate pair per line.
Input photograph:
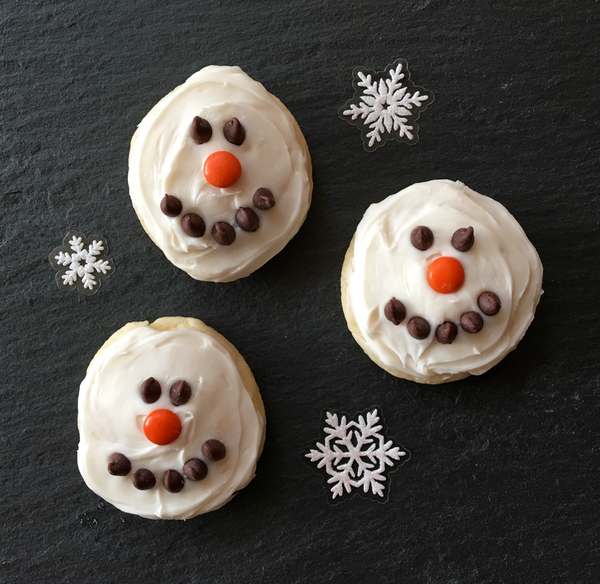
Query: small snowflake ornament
x,y
386,105
355,456
81,263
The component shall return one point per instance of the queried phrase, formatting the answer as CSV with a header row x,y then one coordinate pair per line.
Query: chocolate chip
x,y
489,303
223,233
214,449
463,239
143,479
119,465
172,481
193,225
201,130
446,332
195,469
247,219
471,322
180,393
421,237
150,390
170,206
418,327
234,131
395,311
263,199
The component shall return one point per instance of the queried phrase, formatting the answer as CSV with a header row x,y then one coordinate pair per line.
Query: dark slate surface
x,y
502,486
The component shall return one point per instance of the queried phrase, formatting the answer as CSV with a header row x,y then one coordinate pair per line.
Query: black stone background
x,y
502,486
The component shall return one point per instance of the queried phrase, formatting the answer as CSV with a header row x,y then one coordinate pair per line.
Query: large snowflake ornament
x,y
81,263
355,456
386,105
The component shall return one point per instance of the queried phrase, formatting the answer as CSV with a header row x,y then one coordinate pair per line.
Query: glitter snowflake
x,y
355,456
81,263
386,105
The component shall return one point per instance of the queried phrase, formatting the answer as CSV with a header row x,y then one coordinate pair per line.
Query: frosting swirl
x,y
165,159
112,414
385,264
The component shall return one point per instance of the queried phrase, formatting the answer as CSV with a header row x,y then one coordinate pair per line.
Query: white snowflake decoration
x,y
386,105
355,455
81,263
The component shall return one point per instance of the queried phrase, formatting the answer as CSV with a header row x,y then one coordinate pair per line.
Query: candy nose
x,y
222,169
162,427
446,275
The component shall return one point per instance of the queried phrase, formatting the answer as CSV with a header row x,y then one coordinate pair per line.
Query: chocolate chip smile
x,y
445,333
173,481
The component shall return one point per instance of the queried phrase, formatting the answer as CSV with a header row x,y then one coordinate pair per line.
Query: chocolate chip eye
x,y
150,390
489,303
200,130
263,199
234,131
395,311
463,239
170,206
180,393
421,237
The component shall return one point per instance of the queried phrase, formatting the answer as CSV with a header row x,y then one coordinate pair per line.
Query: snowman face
x,y
444,281
219,175
163,426
167,427
216,183
445,275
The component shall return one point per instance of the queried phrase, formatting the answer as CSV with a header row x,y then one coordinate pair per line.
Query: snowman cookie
x,y
170,418
439,282
220,175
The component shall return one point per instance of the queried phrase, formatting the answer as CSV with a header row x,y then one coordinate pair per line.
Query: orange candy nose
x,y
445,275
162,427
222,169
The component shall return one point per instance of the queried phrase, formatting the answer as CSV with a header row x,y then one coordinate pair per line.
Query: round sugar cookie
x,y
170,418
439,282
220,175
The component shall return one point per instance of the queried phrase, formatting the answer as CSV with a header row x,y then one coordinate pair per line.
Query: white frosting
x,y
385,265
165,160
112,412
